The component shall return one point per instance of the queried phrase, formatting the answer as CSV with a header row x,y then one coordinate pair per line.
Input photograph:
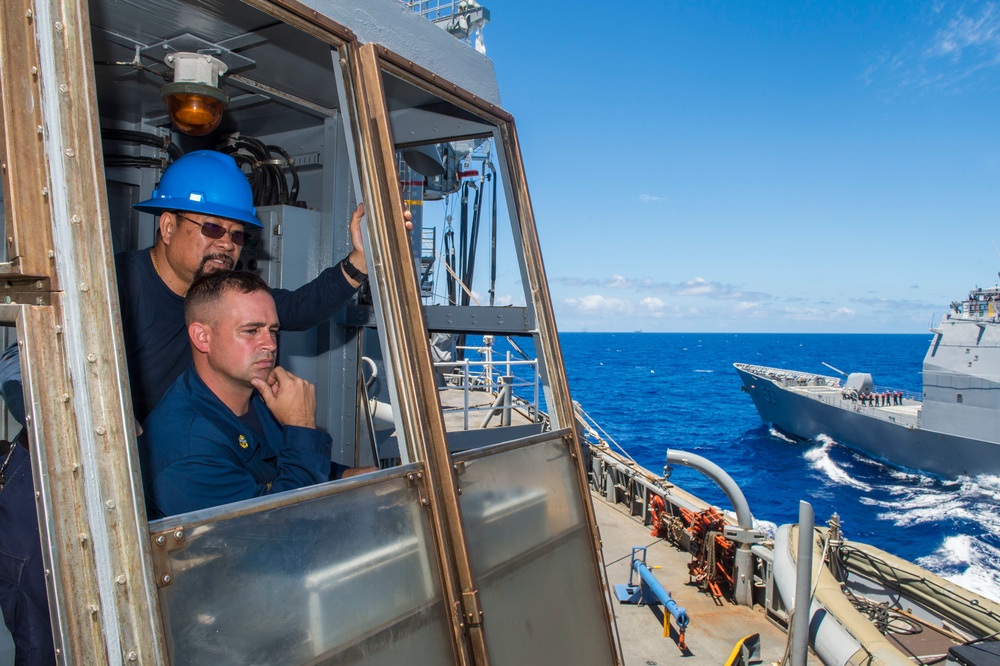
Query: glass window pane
x,y
494,383
468,255
528,540
335,577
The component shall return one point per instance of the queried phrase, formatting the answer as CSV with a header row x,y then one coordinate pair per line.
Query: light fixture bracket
x,y
188,43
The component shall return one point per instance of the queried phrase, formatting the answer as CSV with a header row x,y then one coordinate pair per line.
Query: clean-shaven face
x,y
243,345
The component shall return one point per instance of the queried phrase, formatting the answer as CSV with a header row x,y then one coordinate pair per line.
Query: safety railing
x,y
514,384
436,9
790,377
464,19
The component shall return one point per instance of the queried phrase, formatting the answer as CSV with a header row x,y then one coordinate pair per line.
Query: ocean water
x,y
654,391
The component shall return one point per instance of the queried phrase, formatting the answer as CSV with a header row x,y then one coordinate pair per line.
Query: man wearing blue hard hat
x,y
204,203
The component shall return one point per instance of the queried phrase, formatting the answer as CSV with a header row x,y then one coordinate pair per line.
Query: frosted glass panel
x,y
531,553
336,577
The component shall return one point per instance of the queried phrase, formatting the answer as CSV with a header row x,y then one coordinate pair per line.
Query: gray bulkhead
x,y
961,380
404,32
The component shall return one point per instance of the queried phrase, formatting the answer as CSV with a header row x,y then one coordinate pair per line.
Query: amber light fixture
x,y
194,100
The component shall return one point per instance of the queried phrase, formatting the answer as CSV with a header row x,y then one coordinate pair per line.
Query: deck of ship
x,y
905,414
714,630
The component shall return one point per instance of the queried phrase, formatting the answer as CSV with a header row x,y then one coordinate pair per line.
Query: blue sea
x,y
654,391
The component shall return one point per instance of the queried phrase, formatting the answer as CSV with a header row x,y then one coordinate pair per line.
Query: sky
x,y
756,166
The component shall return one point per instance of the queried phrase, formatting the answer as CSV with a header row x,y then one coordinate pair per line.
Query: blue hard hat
x,y
206,182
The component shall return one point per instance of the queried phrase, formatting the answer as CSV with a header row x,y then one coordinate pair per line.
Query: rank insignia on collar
x,y
243,442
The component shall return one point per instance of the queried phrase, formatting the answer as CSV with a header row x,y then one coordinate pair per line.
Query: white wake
x,y
965,559
820,460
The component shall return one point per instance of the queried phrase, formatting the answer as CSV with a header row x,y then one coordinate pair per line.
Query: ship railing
x,y
907,395
461,18
794,377
622,481
881,412
435,9
594,434
513,383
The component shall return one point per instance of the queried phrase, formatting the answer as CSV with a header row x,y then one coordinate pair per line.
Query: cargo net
x,y
712,555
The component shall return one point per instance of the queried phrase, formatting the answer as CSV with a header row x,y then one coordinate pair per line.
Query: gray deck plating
x,y
714,628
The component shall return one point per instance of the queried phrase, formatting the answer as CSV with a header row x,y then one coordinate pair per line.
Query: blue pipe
x,y
657,590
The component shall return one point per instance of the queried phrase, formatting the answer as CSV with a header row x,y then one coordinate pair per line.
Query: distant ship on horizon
x,y
952,430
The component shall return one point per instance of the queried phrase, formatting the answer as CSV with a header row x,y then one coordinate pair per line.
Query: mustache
x,y
219,256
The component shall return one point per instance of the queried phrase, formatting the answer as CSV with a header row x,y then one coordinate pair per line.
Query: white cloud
x,y
599,303
696,287
963,32
508,299
649,198
652,305
817,314
955,50
620,302
745,306
896,304
619,308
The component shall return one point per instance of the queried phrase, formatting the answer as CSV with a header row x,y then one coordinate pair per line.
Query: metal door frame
x,y
420,417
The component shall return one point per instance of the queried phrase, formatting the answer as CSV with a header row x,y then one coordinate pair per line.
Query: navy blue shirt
x,y
195,453
156,341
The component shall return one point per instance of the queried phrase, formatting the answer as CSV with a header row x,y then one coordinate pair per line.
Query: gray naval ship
x,y
952,431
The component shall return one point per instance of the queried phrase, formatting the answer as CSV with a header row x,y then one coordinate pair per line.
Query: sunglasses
x,y
215,232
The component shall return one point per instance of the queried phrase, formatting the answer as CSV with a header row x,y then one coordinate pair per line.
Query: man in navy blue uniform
x,y
232,426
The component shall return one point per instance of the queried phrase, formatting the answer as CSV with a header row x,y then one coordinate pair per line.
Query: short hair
x,y
209,288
